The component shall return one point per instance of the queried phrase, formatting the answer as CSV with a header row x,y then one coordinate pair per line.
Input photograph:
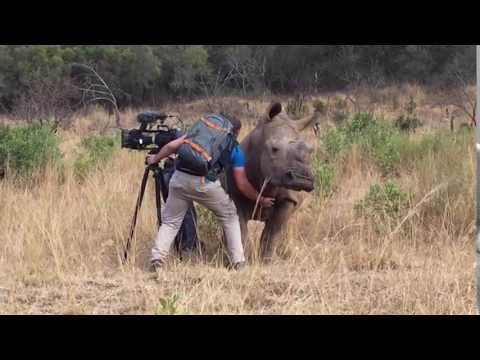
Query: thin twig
x,y
413,211
265,183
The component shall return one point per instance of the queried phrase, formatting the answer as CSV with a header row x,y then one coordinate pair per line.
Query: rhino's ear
x,y
273,110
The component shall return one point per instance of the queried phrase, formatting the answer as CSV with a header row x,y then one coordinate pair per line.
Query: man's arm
x,y
247,189
169,149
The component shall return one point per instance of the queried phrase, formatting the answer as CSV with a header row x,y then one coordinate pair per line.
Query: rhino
x,y
275,153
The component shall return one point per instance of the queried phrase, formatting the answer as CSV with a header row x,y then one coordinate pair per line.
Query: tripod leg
x,y
137,209
158,192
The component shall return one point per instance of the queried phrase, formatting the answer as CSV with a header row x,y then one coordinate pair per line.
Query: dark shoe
x,y
156,266
186,255
239,266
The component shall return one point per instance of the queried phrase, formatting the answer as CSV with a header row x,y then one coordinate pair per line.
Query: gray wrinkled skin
x,y
275,150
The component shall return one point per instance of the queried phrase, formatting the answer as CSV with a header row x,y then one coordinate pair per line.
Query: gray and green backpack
x,y
207,147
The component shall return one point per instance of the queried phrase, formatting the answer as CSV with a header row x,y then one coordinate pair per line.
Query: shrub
x,y
382,203
324,179
319,106
340,111
385,145
359,124
387,156
335,142
377,139
382,143
409,121
96,151
26,149
297,107
169,306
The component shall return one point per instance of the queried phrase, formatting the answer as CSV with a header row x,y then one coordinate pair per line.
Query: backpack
x,y
206,144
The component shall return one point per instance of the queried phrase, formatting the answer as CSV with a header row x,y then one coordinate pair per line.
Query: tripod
x,y
187,236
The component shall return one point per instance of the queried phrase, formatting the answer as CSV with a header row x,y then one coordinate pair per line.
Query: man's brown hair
x,y
236,123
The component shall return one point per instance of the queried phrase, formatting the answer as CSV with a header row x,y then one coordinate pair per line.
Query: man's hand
x,y
248,190
267,202
166,151
151,160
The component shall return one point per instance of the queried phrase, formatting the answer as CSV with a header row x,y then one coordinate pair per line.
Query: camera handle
x,y
159,191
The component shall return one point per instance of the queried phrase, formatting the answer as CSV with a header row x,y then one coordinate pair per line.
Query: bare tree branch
x,y
97,90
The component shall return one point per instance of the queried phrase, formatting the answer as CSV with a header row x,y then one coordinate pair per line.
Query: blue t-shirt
x,y
237,158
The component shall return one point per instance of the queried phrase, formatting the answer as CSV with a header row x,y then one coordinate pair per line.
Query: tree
x,y
191,66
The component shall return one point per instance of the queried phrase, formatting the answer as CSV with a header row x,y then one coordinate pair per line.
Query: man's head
x,y
236,123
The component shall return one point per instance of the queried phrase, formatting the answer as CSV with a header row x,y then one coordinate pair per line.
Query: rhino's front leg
x,y
244,230
275,229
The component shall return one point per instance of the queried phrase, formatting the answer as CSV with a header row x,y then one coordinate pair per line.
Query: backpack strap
x,y
211,125
204,153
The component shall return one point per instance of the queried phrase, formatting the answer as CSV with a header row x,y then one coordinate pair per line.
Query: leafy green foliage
x,y
336,142
140,74
96,151
383,203
377,139
26,149
409,121
169,306
324,179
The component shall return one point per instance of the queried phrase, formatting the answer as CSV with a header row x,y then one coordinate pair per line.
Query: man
x,y
186,188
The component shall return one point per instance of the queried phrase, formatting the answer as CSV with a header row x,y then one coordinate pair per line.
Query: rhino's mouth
x,y
296,180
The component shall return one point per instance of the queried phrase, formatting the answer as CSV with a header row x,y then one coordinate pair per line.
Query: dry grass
x,y
60,246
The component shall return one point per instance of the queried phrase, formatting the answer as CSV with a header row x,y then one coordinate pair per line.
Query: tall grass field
x,y
390,228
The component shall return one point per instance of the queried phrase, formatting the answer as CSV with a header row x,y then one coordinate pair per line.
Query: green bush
x,y
383,203
340,111
391,150
409,121
169,306
324,179
387,156
378,140
335,142
96,151
359,124
319,106
382,143
26,149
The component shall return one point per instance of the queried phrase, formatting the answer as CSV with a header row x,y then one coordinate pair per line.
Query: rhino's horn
x,y
305,123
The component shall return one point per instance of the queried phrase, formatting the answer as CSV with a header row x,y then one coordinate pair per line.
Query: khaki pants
x,y
183,190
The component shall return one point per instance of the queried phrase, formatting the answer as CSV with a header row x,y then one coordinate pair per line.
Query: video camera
x,y
148,138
